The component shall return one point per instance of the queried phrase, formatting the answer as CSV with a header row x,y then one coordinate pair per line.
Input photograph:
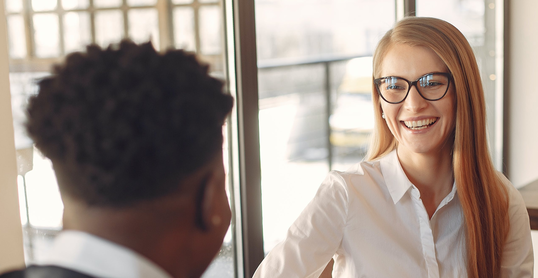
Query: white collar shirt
x,y
94,256
372,221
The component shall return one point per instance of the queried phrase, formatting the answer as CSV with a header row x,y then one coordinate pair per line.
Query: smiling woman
x,y
488,201
427,202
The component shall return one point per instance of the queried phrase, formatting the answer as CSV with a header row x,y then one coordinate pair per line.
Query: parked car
x,y
352,120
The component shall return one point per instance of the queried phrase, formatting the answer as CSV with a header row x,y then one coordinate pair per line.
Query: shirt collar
x,y
398,183
95,256
395,179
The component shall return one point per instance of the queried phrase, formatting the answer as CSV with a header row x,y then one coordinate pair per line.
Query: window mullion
x,y
125,11
164,11
61,39
91,11
410,7
242,45
405,8
197,40
28,28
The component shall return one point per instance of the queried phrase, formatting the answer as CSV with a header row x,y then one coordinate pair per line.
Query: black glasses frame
x,y
377,82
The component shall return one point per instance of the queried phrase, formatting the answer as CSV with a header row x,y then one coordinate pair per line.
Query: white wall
x,y
522,93
522,97
11,251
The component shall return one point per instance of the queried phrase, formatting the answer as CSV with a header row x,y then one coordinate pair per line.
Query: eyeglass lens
x,y
431,86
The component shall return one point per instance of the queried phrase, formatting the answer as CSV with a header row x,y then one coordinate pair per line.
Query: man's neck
x,y
160,238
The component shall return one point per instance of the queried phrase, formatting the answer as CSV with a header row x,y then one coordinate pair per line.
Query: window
x,y
315,110
42,32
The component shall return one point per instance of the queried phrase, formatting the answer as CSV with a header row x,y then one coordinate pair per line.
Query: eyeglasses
x,y
431,86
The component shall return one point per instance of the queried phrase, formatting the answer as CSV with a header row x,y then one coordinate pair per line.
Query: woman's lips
x,y
420,124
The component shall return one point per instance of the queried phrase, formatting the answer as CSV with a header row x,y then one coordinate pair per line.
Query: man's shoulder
x,y
48,271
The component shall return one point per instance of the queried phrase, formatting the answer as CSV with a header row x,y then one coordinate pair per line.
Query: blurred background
x,y
314,87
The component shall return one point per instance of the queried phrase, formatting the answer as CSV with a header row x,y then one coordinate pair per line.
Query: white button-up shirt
x,y
94,256
372,219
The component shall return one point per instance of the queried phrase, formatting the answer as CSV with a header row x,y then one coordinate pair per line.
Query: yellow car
x,y
352,119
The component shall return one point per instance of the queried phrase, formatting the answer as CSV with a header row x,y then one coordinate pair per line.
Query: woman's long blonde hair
x,y
481,192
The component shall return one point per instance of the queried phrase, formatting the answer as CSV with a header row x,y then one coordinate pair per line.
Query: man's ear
x,y
205,201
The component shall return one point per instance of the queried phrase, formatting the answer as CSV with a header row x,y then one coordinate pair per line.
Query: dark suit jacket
x,y
44,272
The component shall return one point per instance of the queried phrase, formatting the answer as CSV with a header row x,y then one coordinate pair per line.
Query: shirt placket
x,y
426,235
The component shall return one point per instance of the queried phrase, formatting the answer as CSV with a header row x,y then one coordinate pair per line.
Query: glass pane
x,y
476,19
13,6
181,1
350,137
210,30
22,198
292,144
46,35
38,194
44,203
294,123
22,86
44,5
17,39
76,31
108,27
141,2
41,207
75,4
107,3
144,26
184,29
466,15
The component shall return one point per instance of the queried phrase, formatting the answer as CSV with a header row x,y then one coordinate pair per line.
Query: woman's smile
x,y
420,124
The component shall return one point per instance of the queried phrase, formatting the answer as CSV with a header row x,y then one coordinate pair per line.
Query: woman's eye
x,y
432,84
394,87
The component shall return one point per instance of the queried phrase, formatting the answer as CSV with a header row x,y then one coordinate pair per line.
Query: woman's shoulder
x,y
360,176
362,169
517,253
515,200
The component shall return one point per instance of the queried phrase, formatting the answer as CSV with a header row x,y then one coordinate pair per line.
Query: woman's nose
x,y
414,101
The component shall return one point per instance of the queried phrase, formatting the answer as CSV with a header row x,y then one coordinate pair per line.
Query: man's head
x,y
127,124
126,127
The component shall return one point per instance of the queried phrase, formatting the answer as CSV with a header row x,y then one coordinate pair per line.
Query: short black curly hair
x,y
126,123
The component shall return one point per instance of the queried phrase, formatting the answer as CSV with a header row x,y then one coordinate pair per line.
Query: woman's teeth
x,y
417,125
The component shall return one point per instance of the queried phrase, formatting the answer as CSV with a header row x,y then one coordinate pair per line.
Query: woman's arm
x,y
517,260
313,238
